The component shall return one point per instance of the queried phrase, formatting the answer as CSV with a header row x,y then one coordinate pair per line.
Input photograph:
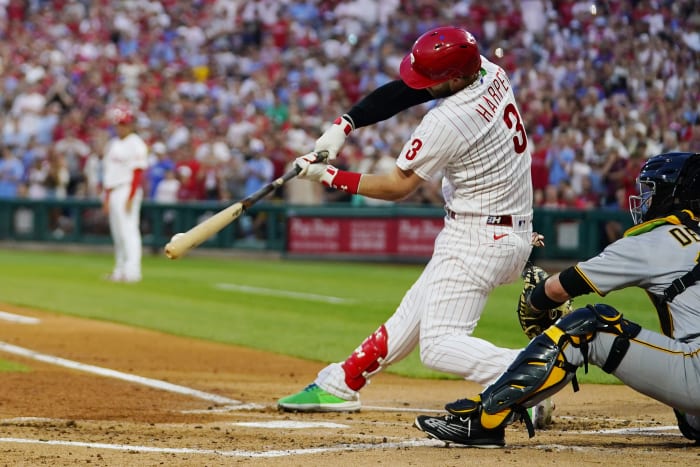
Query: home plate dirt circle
x,y
108,394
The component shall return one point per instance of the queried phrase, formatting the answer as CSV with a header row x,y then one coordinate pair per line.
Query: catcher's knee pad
x,y
366,359
538,371
582,325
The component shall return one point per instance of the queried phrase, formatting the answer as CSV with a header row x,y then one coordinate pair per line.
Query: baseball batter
x,y
475,136
125,159
664,366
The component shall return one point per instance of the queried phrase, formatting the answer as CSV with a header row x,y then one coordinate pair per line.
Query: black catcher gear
x,y
667,182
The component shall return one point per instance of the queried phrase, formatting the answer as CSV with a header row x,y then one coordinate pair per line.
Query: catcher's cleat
x,y
314,399
466,431
684,424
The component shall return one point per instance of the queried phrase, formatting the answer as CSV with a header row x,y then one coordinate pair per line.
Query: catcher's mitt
x,y
534,322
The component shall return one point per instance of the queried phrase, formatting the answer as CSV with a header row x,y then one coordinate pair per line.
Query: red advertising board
x,y
393,238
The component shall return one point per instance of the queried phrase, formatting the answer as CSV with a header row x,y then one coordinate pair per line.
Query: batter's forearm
x,y
390,187
382,187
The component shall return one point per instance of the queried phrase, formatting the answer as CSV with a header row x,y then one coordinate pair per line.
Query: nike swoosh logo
x,y
498,237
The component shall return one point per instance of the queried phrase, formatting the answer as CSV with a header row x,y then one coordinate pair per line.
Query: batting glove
x,y
311,169
334,137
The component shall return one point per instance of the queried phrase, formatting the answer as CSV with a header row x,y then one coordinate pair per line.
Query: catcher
x,y
665,367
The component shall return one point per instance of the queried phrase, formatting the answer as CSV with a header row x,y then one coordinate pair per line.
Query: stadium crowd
x,y
229,92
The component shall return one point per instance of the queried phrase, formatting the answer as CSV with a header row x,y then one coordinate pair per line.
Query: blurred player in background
x,y
125,159
475,137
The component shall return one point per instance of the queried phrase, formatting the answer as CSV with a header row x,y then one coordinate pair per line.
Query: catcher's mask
x,y
666,183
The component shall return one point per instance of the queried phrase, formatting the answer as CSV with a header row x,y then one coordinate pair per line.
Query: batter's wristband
x,y
345,123
540,300
342,180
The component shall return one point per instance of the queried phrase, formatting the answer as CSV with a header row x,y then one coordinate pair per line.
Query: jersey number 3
x,y
412,152
512,119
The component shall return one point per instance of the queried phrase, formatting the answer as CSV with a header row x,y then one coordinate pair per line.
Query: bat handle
x,y
321,156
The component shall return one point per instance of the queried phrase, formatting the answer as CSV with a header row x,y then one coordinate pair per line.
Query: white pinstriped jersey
x,y
477,138
122,156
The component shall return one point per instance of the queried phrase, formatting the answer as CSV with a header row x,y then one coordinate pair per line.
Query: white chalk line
x,y
13,318
233,453
290,424
153,383
365,408
342,447
644,430
282,293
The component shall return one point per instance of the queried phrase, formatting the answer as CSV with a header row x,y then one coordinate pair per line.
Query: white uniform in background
x,y
122,157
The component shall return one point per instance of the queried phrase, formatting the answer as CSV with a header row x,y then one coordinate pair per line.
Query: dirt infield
x,y
176,401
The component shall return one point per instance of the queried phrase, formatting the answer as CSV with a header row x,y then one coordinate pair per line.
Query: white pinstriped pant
x,y
442,308
124,228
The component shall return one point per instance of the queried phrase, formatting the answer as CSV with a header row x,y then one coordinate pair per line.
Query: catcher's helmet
x,y
667,182
439,55
120,114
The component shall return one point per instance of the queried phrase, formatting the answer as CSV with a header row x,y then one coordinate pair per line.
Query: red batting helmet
x,y
120,114
439,55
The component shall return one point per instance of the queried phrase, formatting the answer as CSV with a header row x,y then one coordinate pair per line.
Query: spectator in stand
x,y
614,173
539,168
159,164
259,171
186,184
551,198
11,173
580,171
12,134
587,198
58,175
75,152
167,192
36,176
560,157
187,167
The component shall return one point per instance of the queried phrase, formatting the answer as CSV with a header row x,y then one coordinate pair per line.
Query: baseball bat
x,y
181,243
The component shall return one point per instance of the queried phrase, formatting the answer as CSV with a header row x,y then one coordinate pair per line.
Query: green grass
x,y
182,298
12,367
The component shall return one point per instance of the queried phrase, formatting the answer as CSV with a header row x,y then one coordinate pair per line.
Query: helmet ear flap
x,y
687,191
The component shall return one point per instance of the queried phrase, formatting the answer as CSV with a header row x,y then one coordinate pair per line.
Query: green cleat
x,y
314,399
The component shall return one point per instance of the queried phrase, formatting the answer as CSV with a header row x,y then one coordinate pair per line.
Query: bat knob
x,y
168,251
